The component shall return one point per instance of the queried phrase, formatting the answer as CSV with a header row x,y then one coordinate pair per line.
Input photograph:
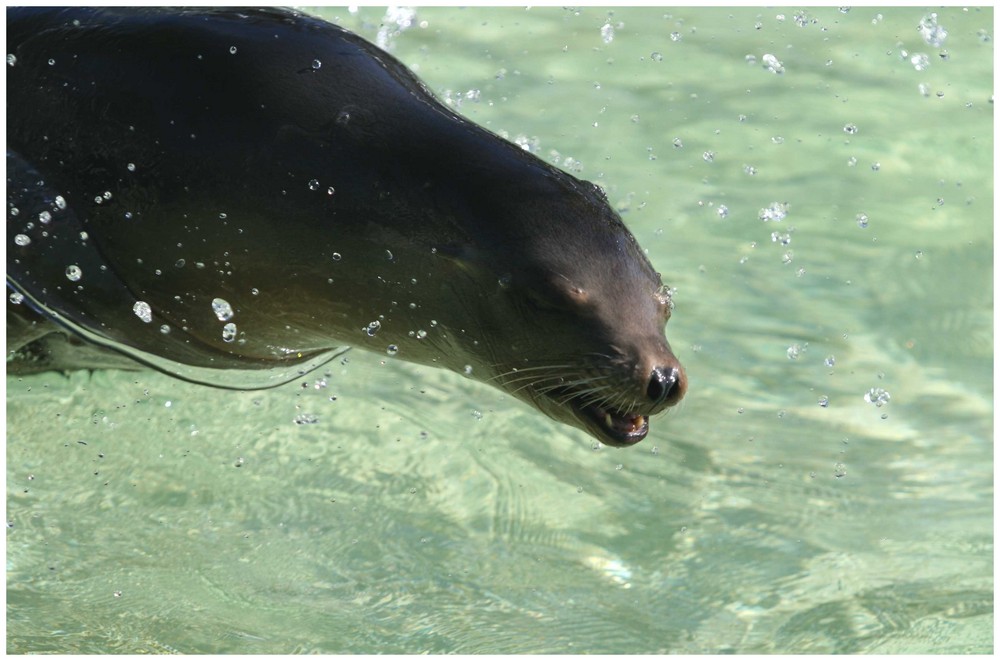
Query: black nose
x,y
662,383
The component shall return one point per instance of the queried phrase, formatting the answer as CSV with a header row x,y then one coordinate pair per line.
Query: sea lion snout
x,y
666,386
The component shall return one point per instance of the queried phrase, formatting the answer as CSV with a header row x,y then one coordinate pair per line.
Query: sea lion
x,y
234,195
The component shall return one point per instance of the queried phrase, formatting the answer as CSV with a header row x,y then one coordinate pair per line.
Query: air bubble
x,y
11,59
22,239
45,217
229,332
316,64
232,50
313,184
862,219
73,272
392,349
372,328
16,298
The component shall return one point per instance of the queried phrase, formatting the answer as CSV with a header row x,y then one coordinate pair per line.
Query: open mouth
x,y
616,428
611,426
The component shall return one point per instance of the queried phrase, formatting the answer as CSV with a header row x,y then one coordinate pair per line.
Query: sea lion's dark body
x,y
287,167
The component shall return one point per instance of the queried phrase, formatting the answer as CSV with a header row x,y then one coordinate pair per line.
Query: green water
x,y
425,513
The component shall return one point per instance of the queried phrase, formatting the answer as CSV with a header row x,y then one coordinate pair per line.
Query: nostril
x,y
661,383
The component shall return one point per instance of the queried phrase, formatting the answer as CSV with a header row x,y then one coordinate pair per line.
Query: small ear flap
x,y
462,257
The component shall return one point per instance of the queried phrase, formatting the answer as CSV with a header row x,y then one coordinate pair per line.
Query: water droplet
x,y
45,217
336,256
675,36
372,328
467,370
932,33
16,298
920,61
305,419
316,64
229,332
313,184
774,213
164,329
656,56
850,129
130,167
392,349
144,312
795,351
862,219
839,470
51,62
223,311
22,239
772,63
830,361
877,396
421,334
607,33
73,272
232,50
723,211
678,144
11,59
824,401
330,191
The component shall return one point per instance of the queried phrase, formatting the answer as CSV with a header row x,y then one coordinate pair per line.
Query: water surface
x,y
827,485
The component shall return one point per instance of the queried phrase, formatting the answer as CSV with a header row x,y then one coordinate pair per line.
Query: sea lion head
x,y
573,320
